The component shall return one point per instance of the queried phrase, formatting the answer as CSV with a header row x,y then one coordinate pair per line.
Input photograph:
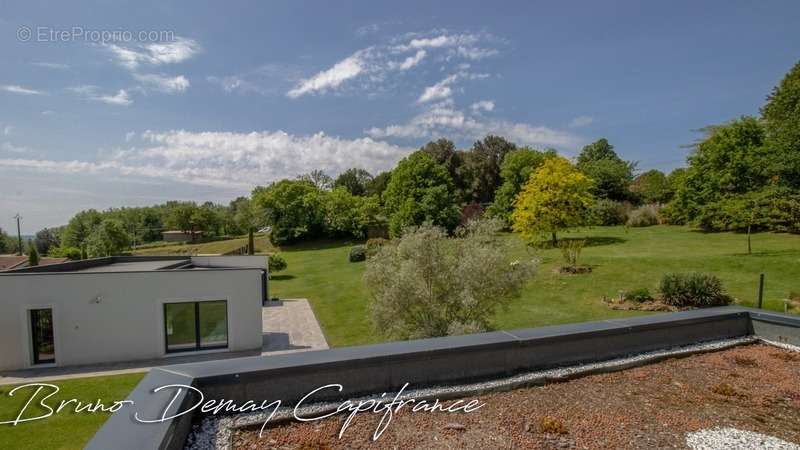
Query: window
x,y
42,336
196,325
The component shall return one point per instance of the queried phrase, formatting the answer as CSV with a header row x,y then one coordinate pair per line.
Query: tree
x,y
80,227
378,184
443,151
731,160
420,191
5,242
482,167
349,215
611,175
782,122
293,208
182,216
107,239
354,180
318,178
276,263
652,187
556,197
33,254
46,239
431,285
514,172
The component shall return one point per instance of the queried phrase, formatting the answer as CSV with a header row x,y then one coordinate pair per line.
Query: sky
x,y
109,104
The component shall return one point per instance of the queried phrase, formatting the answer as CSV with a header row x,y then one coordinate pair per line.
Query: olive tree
x,y
431,285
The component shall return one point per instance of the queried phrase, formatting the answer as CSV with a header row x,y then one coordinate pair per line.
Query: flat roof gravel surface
x,y
753,388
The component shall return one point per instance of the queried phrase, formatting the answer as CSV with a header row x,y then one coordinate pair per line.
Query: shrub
x,y
358,253
610,212
638,295
643,216
429,284
692,289
374,245
71,253
571,250
276,263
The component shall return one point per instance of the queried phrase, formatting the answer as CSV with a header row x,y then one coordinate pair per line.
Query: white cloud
x,y
267,79
581,121
411,61
155,54
120,98
438,91
485,105
440,41
443,119
232,160
17,89
476,53
48,112
164,83
92,92
379,65
368,29
7,130
342,71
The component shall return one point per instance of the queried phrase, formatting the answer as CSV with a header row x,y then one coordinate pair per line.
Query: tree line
x,y
743,174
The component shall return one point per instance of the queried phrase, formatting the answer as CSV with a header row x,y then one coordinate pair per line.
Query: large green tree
x,y
355,180
782,122
349,215
652,187
294,209
420,191
731,160
108,238
481,167
80,227
444,152
611,175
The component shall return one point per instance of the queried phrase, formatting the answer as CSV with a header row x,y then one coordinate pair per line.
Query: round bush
x,y
358,253
699,290
276,263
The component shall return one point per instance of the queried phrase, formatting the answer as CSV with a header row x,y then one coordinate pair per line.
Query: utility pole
x,y
19,234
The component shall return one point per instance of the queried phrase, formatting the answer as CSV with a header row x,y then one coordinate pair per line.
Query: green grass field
x,y
621,260
65,430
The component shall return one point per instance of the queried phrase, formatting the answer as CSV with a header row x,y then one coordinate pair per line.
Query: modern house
x,y
118,309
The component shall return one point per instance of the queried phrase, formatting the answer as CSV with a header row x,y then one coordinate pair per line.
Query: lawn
x,y
621,260
64,430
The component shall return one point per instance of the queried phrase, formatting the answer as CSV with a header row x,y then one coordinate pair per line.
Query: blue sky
x,y
221,97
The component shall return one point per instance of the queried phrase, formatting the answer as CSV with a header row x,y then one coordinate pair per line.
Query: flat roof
x,y
133,266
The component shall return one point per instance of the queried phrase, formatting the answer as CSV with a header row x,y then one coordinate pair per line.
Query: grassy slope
x,y
621,259
213,248
64,430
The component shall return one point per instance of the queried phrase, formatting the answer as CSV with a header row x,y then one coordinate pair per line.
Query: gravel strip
x,y
733,439
217,432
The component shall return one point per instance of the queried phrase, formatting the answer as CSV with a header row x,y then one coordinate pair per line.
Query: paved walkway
x,y
288,325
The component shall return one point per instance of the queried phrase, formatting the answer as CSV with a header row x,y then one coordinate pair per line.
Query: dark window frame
x,y
197,338
33,315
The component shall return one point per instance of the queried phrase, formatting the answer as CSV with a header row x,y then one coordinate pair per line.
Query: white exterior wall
x,y
128,321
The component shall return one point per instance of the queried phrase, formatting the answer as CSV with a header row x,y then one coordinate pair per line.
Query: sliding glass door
x,y
196,325
44,351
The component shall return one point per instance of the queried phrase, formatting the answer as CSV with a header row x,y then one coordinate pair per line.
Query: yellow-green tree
x,y
557,196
